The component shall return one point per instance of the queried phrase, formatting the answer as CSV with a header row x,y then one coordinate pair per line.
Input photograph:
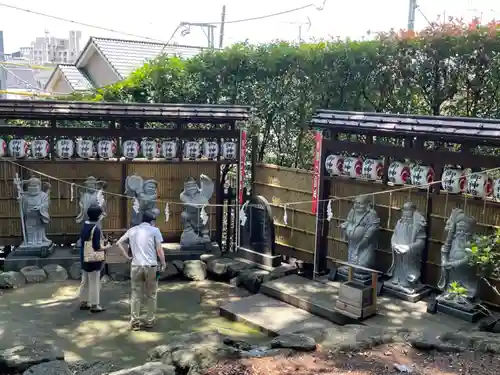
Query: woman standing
x,y
91,271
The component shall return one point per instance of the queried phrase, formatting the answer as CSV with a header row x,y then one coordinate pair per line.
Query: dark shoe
x,y
97,309
149,325
84,306
135,326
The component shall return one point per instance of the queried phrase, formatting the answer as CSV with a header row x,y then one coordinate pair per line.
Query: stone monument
x,y
257,234
91,194
360,230
34,204
455,267
196,234
145,196
407,245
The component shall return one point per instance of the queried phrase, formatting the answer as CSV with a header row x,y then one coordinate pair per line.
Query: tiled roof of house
x,y
19,77
77,80
128,55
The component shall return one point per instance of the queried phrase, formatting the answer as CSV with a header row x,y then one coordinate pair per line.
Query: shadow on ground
x,y
49,313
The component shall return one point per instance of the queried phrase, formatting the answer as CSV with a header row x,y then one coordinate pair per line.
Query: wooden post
x,y
374,289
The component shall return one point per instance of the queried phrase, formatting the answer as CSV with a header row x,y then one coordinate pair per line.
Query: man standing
x,y
145,243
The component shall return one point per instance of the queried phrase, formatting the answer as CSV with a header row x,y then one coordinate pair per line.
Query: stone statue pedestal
x,y
468,312
43,250
407,294
205,247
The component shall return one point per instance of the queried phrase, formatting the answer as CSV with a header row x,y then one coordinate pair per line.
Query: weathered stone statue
x,y
407,245
35,202
196,231
91,195
455,266
145,193
360,230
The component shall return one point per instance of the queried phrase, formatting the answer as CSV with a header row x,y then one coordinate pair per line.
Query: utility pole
x,y
222,22
411,15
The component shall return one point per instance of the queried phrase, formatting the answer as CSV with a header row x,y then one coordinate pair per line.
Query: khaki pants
x,y
90,287
143,284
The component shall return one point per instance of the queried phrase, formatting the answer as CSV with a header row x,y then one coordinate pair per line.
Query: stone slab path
x,y
49,313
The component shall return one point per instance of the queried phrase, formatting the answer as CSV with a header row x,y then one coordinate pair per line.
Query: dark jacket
x,y
96,244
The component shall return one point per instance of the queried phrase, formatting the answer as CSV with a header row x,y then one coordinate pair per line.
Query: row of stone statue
x,y
408,241
34,201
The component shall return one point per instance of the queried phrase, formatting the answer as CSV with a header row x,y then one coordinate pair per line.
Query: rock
x,y
93,368
179,264
219,266
55,273
20,358
75,271
238,344
150,368
252,279
33,274
119,271
294,341
195,270
193,352
11,280
233,270
490,324
207,257
169,272
52,368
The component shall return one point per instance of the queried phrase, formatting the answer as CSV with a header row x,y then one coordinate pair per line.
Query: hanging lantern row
x,y
107,149
454,180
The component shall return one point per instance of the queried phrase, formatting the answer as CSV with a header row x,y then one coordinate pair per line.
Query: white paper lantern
x,y
106,149
479,185
334,164
453,180
130,149
3,147
169,149
191,150
421,175
496,189
398,173
149,149
229,150
373,169
65,148
353,167
40,148
18,148
85,148
210,150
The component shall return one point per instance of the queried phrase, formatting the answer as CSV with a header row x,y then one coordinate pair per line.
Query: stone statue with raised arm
x,y
195,198
91,194
35,202
407,245
455,268
145,194
360,230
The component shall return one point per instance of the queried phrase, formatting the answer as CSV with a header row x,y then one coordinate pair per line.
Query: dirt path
x,y
48,313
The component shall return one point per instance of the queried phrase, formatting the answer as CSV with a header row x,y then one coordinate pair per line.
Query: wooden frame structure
x,y
435,141
52,120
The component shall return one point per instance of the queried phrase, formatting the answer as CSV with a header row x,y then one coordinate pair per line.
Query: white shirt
x,y
143,240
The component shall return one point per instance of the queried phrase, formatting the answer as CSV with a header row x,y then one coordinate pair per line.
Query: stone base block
x,y
175,251
397,292
43,251
340,275
469,316
61,255
259,259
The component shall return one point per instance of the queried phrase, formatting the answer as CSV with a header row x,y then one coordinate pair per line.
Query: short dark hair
x,y
148,217
94,212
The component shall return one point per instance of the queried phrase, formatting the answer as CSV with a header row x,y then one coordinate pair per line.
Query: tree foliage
x,y
447,69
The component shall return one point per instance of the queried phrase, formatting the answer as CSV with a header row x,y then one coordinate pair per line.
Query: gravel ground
x,y
382,360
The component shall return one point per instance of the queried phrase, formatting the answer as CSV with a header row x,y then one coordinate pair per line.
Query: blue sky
x,y
157,19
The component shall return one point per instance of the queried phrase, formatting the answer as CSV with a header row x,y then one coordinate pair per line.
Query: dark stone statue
x,y
455,267
145,194
360,230
194,216
407,245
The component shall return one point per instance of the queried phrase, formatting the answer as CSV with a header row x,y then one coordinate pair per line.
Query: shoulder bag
x,y
89,254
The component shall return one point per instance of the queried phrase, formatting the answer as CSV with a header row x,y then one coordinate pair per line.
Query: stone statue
x,y
455,265
360,230
407,244
90,195
145,193
195,199
35,202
